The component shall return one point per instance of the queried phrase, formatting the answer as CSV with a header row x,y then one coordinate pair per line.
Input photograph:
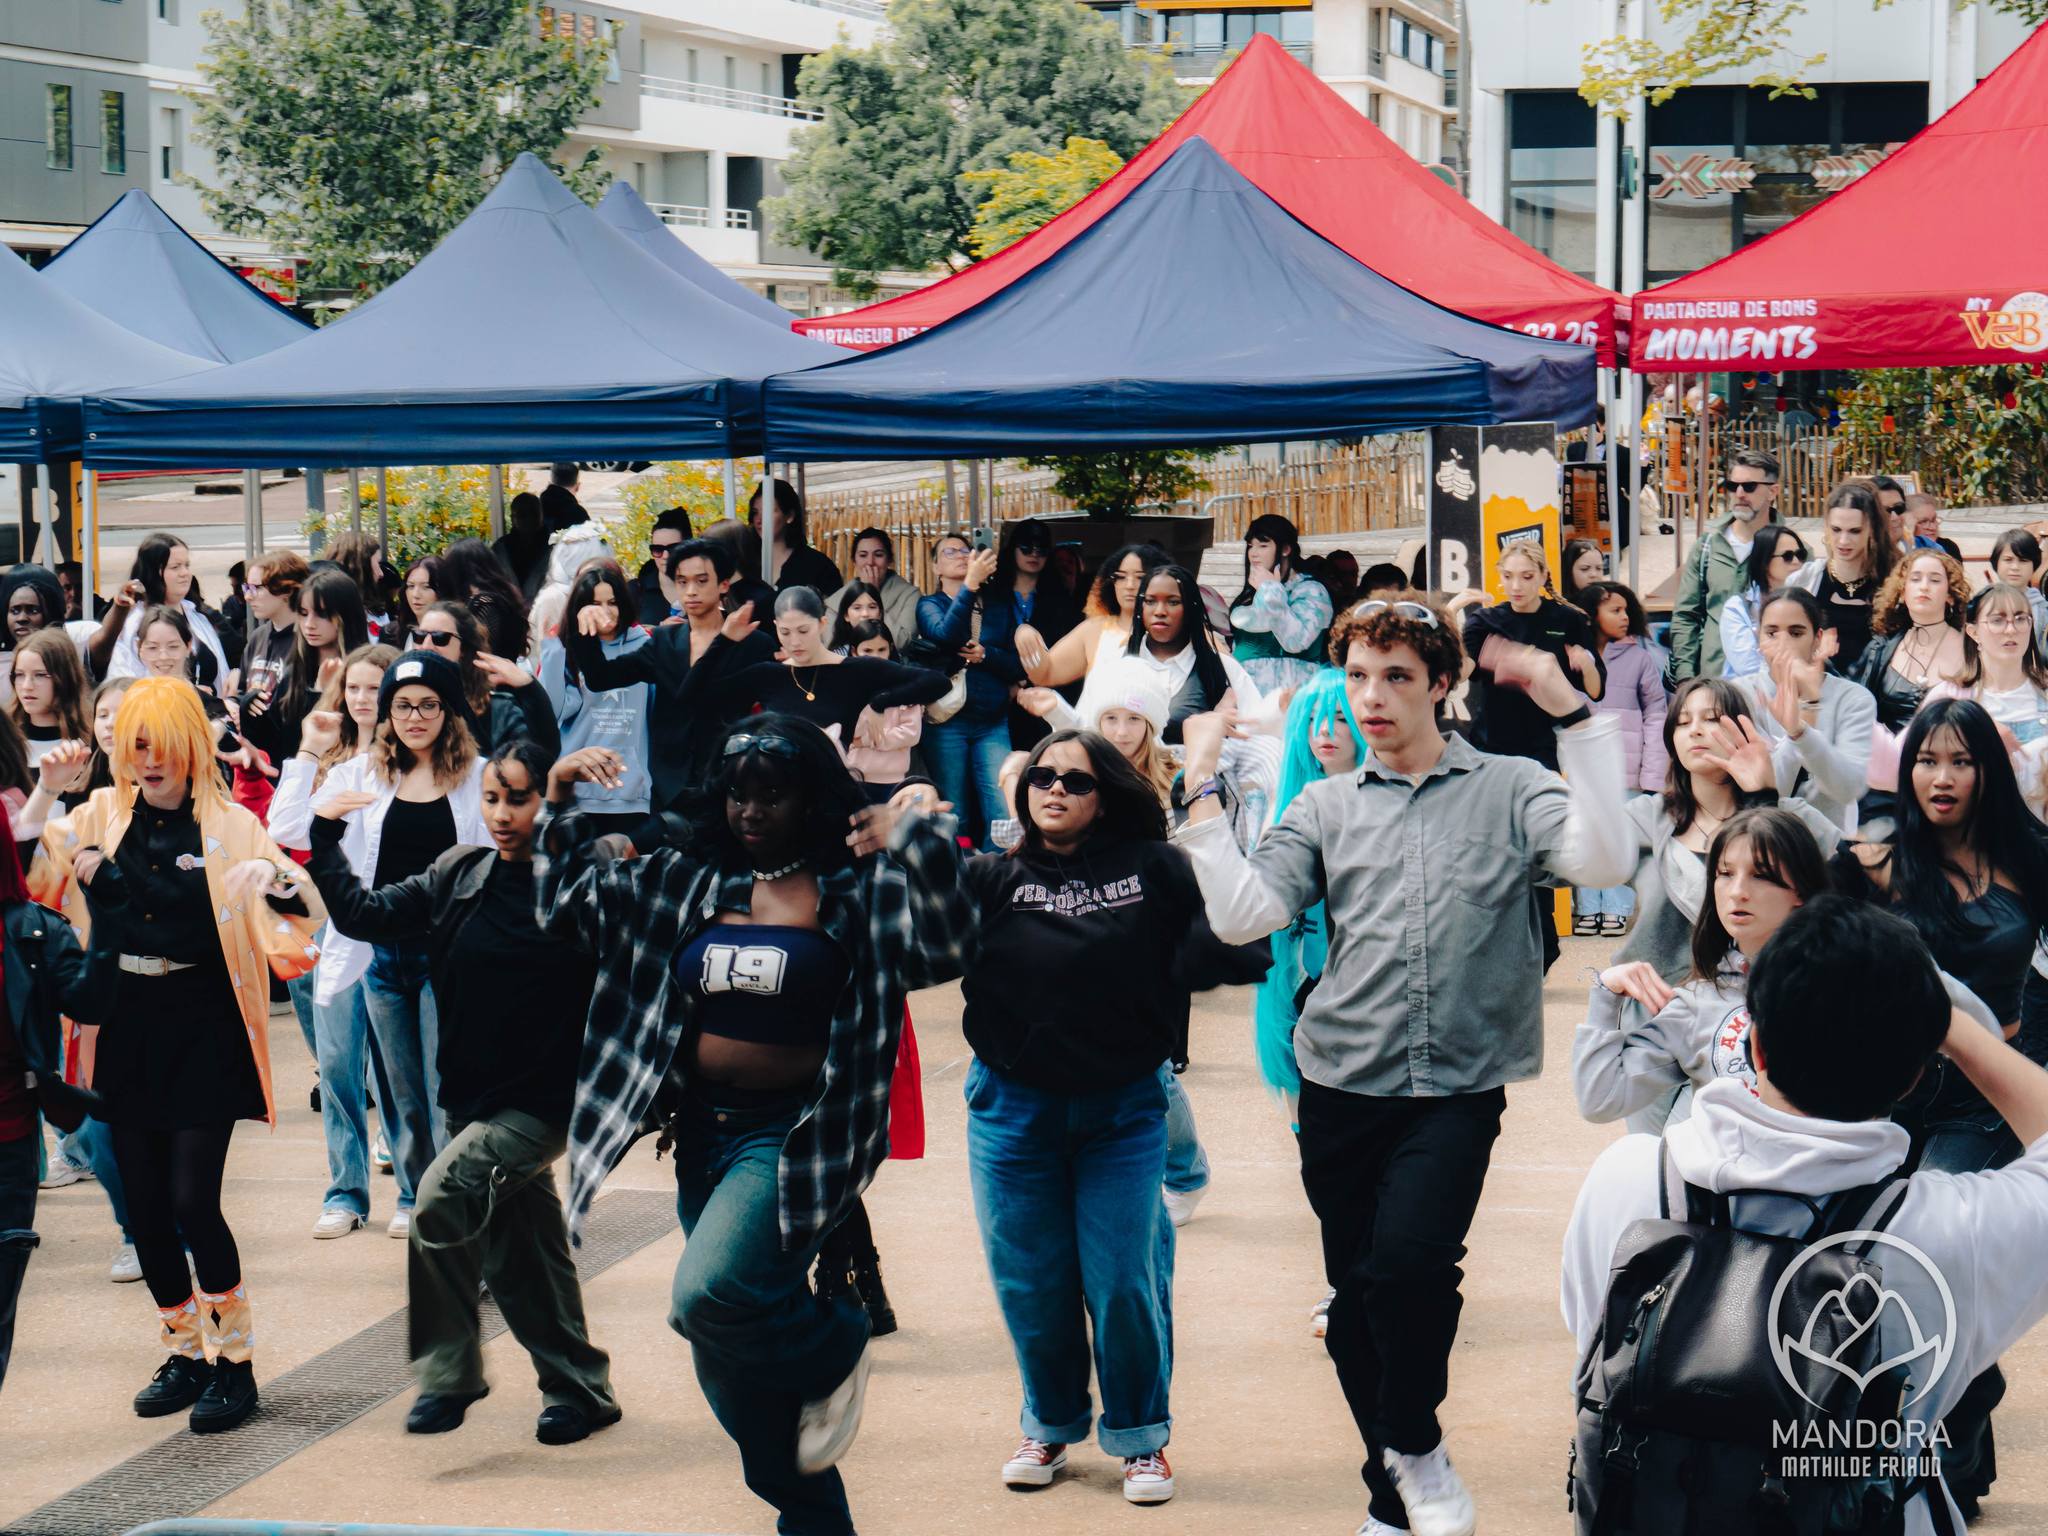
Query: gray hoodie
x,y
615,719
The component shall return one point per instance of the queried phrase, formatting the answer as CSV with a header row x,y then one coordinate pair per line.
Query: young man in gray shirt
x,y
1431,1002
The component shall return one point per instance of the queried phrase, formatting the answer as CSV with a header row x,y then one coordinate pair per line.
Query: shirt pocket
x,y
1486,873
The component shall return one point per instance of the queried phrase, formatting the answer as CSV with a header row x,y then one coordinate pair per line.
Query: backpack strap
x,y
1701,1207
1869,1208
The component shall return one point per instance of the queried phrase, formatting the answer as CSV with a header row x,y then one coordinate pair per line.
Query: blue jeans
x,y
92,1144
1066,1192
300,990
960,747
762,1343
1187,1165
1606,901
400,999
346,1052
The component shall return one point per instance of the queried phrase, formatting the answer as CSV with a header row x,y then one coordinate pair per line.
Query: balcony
x,y
725,96
728,238
1192,60
867,10
690,216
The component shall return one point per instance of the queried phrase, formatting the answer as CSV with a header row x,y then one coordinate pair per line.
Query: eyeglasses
x,y
440,639
2004,621
1074,781
416,709
952,552
1421,613
771,746
1733,486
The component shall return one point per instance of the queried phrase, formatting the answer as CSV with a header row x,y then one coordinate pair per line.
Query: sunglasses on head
x,y
771,746
1074,781
438,638
1421,613
1732,486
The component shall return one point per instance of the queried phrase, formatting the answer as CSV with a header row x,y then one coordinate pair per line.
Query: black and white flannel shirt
x,y
904,917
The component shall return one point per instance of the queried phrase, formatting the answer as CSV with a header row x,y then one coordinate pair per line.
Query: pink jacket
x,y
880,753
1635,693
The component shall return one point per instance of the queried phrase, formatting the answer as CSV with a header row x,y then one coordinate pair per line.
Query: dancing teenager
x,y
162,573
755,978
593,717
1428,850
331,625
213,908
1820,724
1280,618
511,1002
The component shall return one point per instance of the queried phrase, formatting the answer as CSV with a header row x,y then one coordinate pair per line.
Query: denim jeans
x,y
960,748
345,1053
1606,901
92,1144
1066,1193
300,990
17,1228
1187,1165
762,1343
400,998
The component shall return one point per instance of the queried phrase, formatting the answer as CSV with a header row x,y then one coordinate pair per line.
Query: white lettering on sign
x,y
1454,566
1724,344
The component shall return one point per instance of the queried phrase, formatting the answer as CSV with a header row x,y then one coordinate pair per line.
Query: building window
x,y
171,138
690,64
1205,36
57,127
167,10
767,86
732,73
1551,169
113,133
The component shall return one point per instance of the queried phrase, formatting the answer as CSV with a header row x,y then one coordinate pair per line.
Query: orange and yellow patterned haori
x,y
255,939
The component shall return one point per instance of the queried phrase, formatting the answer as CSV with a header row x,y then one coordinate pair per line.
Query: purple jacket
x,y
1635,692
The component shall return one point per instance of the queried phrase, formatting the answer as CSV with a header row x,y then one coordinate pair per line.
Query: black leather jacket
x,y
48,976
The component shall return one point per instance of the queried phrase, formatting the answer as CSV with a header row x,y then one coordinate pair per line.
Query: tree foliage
x,y
952,87
357,133
1034,189
1123,484
1719,37
1983,432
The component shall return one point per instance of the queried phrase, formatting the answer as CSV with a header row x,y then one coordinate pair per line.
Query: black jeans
x,y
1395,1183
17,1229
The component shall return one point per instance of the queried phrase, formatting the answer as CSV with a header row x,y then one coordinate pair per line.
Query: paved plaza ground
x,y
1262,1442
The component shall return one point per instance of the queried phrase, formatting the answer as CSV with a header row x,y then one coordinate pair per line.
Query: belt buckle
x,y
151,965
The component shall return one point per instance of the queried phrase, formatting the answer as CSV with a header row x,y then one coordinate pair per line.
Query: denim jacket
x,y
947,621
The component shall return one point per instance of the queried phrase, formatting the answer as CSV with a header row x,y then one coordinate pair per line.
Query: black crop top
x,y
416,832
759,982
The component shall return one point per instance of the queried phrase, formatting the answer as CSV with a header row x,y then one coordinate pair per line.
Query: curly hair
x,y
1888,613
1384,628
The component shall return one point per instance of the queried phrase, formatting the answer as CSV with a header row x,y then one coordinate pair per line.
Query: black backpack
x,y
1681,1399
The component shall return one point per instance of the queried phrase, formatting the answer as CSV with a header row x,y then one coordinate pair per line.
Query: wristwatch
x,y
1577,716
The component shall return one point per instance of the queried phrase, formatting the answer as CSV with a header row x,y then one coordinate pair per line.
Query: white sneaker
x,y
1430,1487
1374,1527
826,1426
1035,1464
126,1267
1319,1319
336,1221
1180,1209
401,1224
1148,1479
61,1173
380,1154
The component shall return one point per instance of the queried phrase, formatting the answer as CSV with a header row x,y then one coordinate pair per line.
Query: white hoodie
x,y
1984,1233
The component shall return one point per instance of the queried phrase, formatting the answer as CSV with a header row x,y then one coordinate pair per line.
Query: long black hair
x,y
151,556
1194,629
1126,806
1286,541
600,573
843,627
793,757
476,576
1572,550
1103,597
1998,827
1757,570
332,594
1027,530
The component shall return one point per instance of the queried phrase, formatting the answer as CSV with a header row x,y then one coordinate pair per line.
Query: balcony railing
x,y
690,216
868,10
1208,54
725,96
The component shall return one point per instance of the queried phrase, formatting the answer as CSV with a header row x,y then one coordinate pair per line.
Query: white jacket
x,y
1984,1233
127,658
343,959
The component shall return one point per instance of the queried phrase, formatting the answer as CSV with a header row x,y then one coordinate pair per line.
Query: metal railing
x,y
727,97
690,216
867,10
1209,53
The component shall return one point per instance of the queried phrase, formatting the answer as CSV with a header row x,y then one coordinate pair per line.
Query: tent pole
x,y
384,509
803,485
316,503
252,516
1677,522
1699,506
46,537
731,497
355,501
1613,469
1634,403
497,502
973,494
89,544
952,498
767,520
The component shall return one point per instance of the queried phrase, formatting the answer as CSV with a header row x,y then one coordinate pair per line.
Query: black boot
x,y
229,1398
867,1280
177,1385
832,1279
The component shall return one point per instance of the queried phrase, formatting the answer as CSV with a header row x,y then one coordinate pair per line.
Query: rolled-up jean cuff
x,y
1075,1433
1142,1441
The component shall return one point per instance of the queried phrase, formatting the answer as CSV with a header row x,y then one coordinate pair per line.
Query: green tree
x,y
1122,484
1715,37
1035,189
1975,435
357,133
950,88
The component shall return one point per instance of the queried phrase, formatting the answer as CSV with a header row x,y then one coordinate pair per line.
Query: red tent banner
x,y
1936,257
1318,157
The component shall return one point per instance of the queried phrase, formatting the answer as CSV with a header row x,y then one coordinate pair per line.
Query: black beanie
x,y
429,671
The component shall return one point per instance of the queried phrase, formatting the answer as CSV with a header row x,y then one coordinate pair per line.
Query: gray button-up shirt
x,y
1435,977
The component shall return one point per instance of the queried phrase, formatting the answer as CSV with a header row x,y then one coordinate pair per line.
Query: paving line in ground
x,y
181,1475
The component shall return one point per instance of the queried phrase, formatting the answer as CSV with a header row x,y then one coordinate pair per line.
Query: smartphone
x,y
983,538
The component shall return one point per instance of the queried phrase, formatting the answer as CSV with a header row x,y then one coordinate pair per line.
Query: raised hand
x,y
320,733
1202,738
591,765
1038,701
980,566
503,670
64,767
737,626
1030,647
343,802
1639,980
1741,753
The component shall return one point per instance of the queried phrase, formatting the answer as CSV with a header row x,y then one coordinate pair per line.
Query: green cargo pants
x,y
488,1209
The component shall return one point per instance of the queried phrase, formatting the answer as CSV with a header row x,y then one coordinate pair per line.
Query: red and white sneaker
x,y
1035,1464
1148,1479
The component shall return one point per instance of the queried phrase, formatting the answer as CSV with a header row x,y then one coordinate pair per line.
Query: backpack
x,y
1681,1396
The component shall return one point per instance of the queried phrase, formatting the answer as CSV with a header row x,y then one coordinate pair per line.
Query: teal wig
x,y
1302,947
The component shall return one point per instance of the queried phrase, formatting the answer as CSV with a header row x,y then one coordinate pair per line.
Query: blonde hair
x,y
333,700
168,710
1532,551
1152,763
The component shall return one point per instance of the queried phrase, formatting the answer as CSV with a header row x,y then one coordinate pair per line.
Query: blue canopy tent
x,y
139,268
1197,312
623,209
533,331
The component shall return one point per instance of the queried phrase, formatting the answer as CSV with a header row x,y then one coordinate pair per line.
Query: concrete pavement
x,y
1262,1442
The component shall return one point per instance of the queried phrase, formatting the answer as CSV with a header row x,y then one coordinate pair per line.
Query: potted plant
x,y
1112,488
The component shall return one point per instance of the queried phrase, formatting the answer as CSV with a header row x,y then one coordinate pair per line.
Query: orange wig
x,y
167,711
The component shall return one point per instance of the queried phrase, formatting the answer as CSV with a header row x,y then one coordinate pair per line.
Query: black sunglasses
x,y
772,746
1732,486
438,638
1074,781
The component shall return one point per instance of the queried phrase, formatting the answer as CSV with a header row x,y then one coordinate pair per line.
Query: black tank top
x,y
764,983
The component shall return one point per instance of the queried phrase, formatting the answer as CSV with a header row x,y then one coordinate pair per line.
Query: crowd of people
x,y
551,847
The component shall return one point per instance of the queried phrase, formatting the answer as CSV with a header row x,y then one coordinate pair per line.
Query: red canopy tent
x,y
1314,154
1937,256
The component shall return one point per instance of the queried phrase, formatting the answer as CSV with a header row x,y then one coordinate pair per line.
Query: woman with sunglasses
x,y
1821,725
331,624
1280,618
1776,556
498,692
212,908
1036,593
754,977
1917,629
